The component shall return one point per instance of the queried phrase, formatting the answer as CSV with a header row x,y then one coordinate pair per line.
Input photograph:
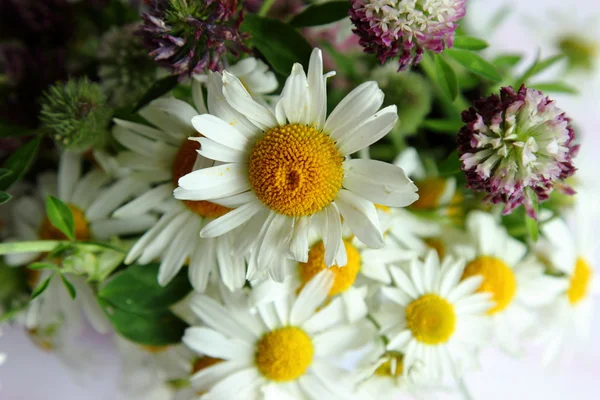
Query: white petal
x,y
198,97
107,228
312,296
232,269
403,282
220,131
180,247
379,182
113,196
218,152
146,240
202,264
231,220
238,386
171,115
212,183
69,171
400,341
299,243
215,344
146,131
146,202
361,217
369,132
336,341
466,287
318,91
332,237
217,317
206,378
295,98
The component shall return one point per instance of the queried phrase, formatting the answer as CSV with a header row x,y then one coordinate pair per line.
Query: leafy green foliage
x,y
280,43
554,87
60,216
475,63
538,67
4,197
446,77
19,163
448,126
470,43
41,288
69,286
321,14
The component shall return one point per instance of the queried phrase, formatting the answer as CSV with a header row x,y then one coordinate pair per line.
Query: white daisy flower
x,y
566,320
282,351
288,169
91,198
435,320
515,282
165,153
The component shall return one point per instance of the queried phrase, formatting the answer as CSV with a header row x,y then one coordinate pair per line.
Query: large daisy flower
x,y
567,319
165,154
282,351
91,198
433,319
288,169
515,282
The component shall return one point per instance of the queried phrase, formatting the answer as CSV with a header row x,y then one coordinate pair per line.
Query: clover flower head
x,y
515,146
405,28
191,37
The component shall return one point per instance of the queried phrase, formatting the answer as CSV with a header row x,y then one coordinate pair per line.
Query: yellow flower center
x,y
284,354
430,192
183,165
296,170
431,319
394,366
344,276
580,281
498,279
436,244
82,228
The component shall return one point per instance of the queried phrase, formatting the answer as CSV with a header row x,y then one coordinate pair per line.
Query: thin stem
x,y
464,390
27,247
265,7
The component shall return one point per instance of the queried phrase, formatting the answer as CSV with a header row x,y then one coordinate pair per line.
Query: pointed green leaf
x,y
470,43
321,14
506,61
538,67
69,286
5,173
159,88
4,197
475,63
554,87
42,265
41,287
446,77
280,43
60,216
19,162
449,126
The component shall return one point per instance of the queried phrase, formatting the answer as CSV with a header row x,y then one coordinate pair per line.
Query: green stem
x,y
265,7
28,247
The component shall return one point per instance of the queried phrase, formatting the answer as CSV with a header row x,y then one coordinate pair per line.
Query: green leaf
x,y
19,162
532,223
5,173
136,289
69,286
554,87
8,129
446,77
449,126
451,166
153,329
280,43
42,265
321,14
506,61
470,43
538,67
158,88
60,216
475,63
4,197
41,288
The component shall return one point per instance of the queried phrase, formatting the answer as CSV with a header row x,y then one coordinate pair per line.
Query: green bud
x,y
410,91
581,53
75,114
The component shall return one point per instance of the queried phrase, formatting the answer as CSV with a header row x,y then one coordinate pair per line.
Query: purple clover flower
x,y
405,28
191,37
515,146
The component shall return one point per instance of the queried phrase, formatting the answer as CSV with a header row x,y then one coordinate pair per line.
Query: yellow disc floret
x,y
296,170
580,281
498,279
344,276
431,319
82,228
284,354
430,193
183,165
393,366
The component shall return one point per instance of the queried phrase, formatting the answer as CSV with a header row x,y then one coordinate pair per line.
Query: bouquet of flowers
x,y
286,199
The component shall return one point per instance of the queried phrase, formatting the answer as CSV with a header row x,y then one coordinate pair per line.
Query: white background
x,y
30,374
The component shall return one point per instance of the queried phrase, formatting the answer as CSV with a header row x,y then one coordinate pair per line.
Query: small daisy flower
x,y
432,318
515,146
515,282
91,198
287,171
569,257
405,28
282,351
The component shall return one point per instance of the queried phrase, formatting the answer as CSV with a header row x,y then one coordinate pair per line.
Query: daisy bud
x,y
514,144
191,37
405,28
581,52
75,114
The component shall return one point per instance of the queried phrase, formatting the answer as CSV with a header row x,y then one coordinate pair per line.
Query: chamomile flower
x,y
515,282
281,351
91,198
287,170
432,318
566,319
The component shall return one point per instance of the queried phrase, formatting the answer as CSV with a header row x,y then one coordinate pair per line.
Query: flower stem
x,y
265,7
27,247
464,390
